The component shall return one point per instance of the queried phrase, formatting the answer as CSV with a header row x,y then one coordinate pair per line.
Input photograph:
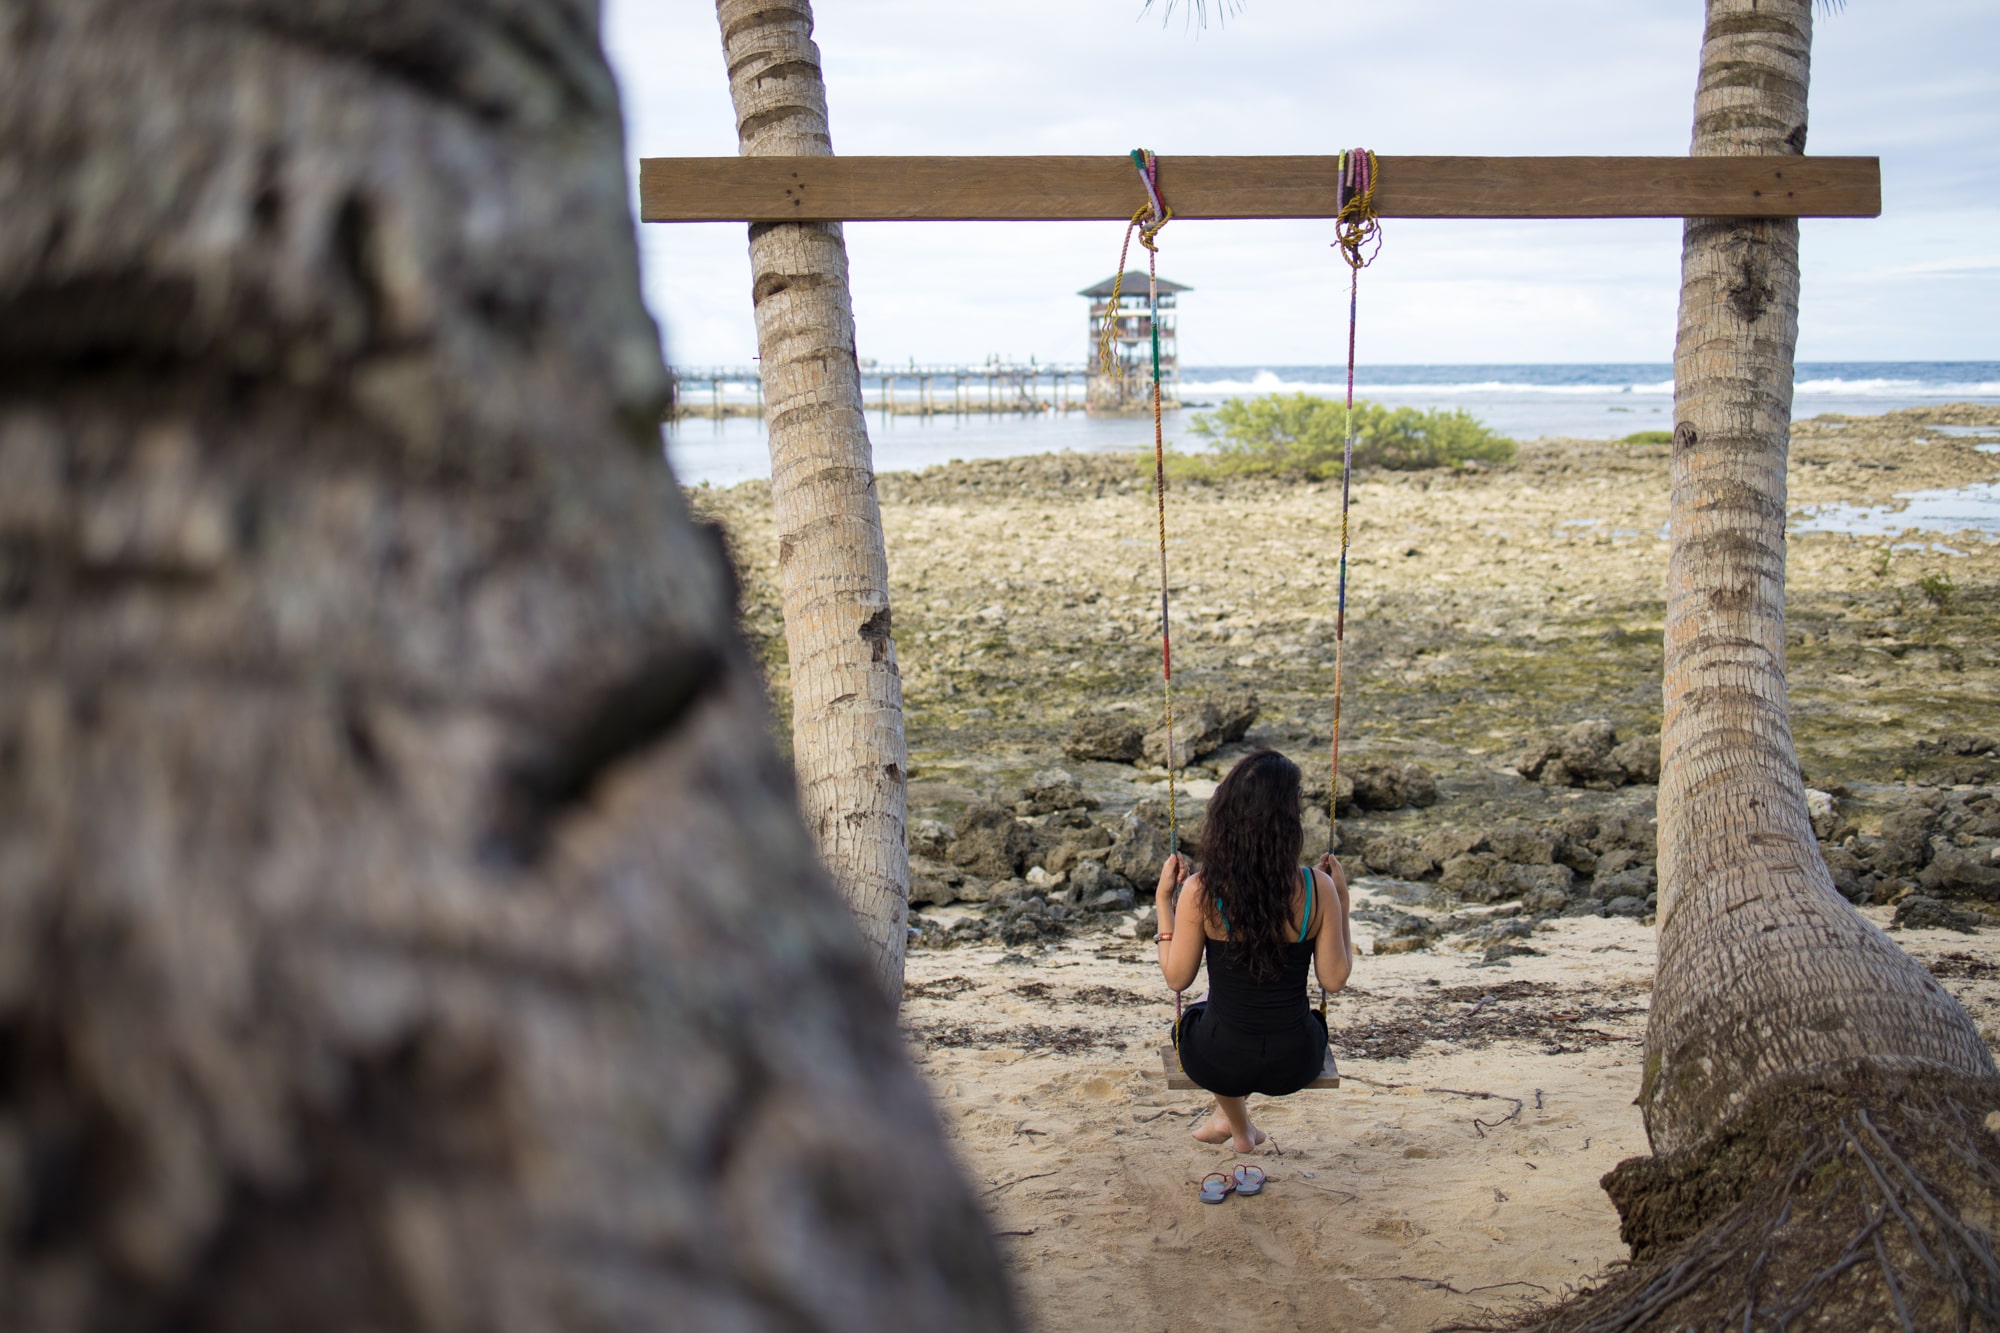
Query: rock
x,y
1392,854
1577,856
1141,846
1578,826
1120,899
1514,880
1632,832
934,883
1547,898
1203,728
1919,911
1109,736
1584,907
1639,757
1030,927
1971,815
1194,819
1086,878
930,838
1392,944
1379,787
1440,845
1921,815
1904,851
1490,933
991,843
1580,757
1312,787
1892,888
1850,877
1053,789
1191,729
1637,881
1398,932
1523,845
1238,711
1961,872
1320,836
1391,786
1632,905
1461,873
1824,812
1073,845
927,934
1482,877
1090,879
1503,880
1147,925
1574,836
1012,892
1614,861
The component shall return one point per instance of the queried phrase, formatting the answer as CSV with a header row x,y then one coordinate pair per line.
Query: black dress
x,y
1255,1036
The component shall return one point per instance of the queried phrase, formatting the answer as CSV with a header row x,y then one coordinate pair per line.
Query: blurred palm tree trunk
x,y
833,569
404,920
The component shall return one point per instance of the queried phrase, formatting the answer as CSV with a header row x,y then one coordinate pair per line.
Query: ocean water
x,y
1965,510
1522,401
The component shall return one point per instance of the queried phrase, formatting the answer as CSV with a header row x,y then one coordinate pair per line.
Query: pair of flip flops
x,y
1245,1179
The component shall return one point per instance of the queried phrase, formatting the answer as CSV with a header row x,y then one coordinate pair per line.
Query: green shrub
x,y
1937,589
1300,436
1649,437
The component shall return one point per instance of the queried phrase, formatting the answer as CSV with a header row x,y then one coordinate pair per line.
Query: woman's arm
x,y
1181,929
1333,951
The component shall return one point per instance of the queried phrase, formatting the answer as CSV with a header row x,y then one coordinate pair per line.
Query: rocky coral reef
x,y
1500,740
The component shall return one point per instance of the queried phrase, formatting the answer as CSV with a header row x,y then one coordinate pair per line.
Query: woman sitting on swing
x,y
1259,917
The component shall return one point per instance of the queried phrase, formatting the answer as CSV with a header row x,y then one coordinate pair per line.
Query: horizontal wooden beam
x,y
1055,189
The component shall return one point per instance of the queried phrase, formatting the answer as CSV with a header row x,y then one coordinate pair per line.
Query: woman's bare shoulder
x,y
1325,879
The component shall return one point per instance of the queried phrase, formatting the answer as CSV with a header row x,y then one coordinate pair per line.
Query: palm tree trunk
x,y
833,569
404,920
1781,1018
1765,972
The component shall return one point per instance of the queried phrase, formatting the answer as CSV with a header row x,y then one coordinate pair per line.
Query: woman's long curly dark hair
x,y
1251,838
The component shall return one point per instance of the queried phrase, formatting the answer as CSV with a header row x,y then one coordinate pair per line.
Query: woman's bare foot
x,y
1217,1130
1257,1137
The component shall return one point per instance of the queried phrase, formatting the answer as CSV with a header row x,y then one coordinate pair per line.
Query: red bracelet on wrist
x,y
1163,938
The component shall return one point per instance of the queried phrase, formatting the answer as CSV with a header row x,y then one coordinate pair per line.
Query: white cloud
x,y
1298,76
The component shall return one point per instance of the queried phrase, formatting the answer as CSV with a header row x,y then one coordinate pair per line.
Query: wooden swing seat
x,y
1329,1073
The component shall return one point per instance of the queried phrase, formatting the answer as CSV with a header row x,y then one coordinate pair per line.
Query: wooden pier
x,y
992,388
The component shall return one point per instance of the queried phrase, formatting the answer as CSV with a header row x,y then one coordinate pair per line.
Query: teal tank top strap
x,y
1223,913
1305,923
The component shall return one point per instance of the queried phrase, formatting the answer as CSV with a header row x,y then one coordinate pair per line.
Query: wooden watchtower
x,y
1129,388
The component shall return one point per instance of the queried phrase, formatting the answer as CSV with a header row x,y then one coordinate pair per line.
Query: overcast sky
x,y
1916,82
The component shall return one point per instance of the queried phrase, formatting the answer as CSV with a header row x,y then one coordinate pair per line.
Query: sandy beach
x,y
1490,1049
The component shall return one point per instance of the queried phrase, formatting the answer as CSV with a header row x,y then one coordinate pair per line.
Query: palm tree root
x,y
1863,1202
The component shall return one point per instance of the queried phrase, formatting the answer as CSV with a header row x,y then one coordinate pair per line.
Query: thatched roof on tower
x,y
1135,285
